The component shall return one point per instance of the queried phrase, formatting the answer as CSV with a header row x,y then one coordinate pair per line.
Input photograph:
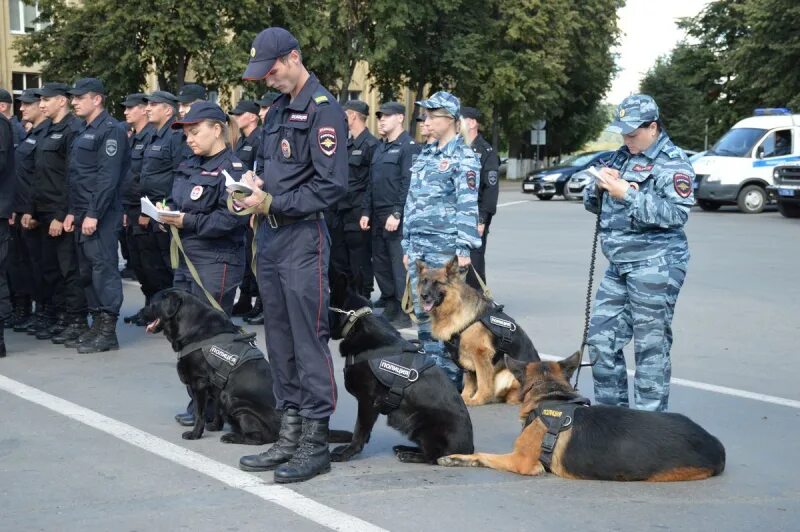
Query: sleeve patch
x,y
683,185
326,136
111,147
492,177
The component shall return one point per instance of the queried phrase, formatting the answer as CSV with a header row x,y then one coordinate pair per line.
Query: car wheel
x,y
789,210
707,205
752,199
544,197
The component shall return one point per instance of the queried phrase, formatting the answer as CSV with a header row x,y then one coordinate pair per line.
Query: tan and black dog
x,y
597,442
461,317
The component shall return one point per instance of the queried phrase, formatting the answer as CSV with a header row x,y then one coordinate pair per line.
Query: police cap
x,y
245,106
85,85
201,111
268,46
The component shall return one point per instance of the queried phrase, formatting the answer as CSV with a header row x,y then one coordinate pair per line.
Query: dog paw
x,y
456,461
230,438
190,435
213,427
343,453
447,461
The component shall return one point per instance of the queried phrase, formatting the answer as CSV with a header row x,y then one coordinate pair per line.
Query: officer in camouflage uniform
x,y
441,211
644,206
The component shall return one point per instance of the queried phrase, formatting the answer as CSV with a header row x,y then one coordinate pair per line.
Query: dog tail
x,y
340,436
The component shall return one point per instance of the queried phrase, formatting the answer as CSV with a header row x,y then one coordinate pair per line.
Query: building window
x,y
22,17
353,95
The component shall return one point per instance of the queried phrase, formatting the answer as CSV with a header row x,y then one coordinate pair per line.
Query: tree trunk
x,y
412,120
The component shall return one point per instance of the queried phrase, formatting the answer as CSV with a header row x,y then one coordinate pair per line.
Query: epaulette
x,y
321,98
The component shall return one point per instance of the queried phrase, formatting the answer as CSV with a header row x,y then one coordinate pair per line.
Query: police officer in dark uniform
x,y
164,152
264,103
136,116
304,173
246,116
7,109
487,193
7,183
98,163
351,248
383,206
189,94
25,268
50,205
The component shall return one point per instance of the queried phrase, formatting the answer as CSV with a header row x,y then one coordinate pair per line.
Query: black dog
x,y
428,410
245,400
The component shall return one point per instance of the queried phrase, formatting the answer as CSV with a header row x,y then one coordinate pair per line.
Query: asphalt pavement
x,y
88,441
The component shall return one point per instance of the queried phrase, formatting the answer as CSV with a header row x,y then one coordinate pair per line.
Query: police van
x,y
739,168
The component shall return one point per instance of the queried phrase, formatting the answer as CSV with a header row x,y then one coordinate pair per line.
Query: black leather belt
x,y
279,220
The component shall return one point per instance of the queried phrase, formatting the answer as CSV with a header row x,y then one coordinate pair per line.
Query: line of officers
x,y
72,179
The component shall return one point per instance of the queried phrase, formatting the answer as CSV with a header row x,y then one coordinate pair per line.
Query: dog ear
x,y
171,304
516,368
421,267
452,268
569,365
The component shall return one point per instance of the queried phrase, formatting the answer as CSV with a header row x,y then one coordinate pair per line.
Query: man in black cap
x,y
50,205
7,183
382,208
264,102
97,164
188,95
24,263
7,110
246,116
351,248
487,193
164,152
131,191
304,173
25,268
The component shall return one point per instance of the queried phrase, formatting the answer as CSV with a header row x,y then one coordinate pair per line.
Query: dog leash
x,y
176,246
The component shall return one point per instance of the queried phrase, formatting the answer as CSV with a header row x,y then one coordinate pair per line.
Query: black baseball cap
x,y
29,96
54,89
267,98
245,106
391,108
162,97
5,96
191,93
268,46
470,112
201,111
84,85
134,99
358,106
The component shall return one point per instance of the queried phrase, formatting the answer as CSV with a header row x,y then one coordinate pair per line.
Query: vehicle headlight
x,y
713,179
549,178
776,174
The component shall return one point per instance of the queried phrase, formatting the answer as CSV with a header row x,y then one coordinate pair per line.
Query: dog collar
x,y
352,317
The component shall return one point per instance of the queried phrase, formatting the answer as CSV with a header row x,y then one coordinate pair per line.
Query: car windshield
x,y
737,142
580,159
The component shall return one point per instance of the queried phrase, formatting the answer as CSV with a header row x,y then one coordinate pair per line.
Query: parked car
x,y
786,191
549,182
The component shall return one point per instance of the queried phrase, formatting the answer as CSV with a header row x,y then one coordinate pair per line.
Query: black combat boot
x,y
106,338
392,310
87,335
56,328
76,326
282,450
21,312
256,316
243,306
312,456
43,318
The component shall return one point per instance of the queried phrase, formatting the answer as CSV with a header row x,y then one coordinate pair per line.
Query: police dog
x,y
455,309
431,413
603,442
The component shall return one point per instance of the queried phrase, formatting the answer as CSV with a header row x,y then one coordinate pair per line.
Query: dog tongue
x,y
427,307
152,325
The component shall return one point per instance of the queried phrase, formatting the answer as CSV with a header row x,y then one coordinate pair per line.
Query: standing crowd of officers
x,y
73,177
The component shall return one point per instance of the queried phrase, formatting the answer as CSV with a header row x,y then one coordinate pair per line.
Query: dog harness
x,y
501,325
557,417
225,353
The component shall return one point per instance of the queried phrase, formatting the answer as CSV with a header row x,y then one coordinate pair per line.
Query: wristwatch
x,y
397,214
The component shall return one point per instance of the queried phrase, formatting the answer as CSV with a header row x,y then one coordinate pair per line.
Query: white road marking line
x,y
513,203
724,390
284,497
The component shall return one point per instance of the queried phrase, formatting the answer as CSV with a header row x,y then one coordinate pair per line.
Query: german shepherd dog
x,y
247,402
603,442
431,413
455,309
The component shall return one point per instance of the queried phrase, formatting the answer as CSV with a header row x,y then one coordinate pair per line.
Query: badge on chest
x,y
197,191
444,164
286,149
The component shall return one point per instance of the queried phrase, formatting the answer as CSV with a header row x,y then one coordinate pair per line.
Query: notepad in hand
x,y
232,185
148,209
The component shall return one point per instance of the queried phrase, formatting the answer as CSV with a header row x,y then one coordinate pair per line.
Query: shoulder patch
x,y
111,147
682,184
326,137
492,177
321,98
